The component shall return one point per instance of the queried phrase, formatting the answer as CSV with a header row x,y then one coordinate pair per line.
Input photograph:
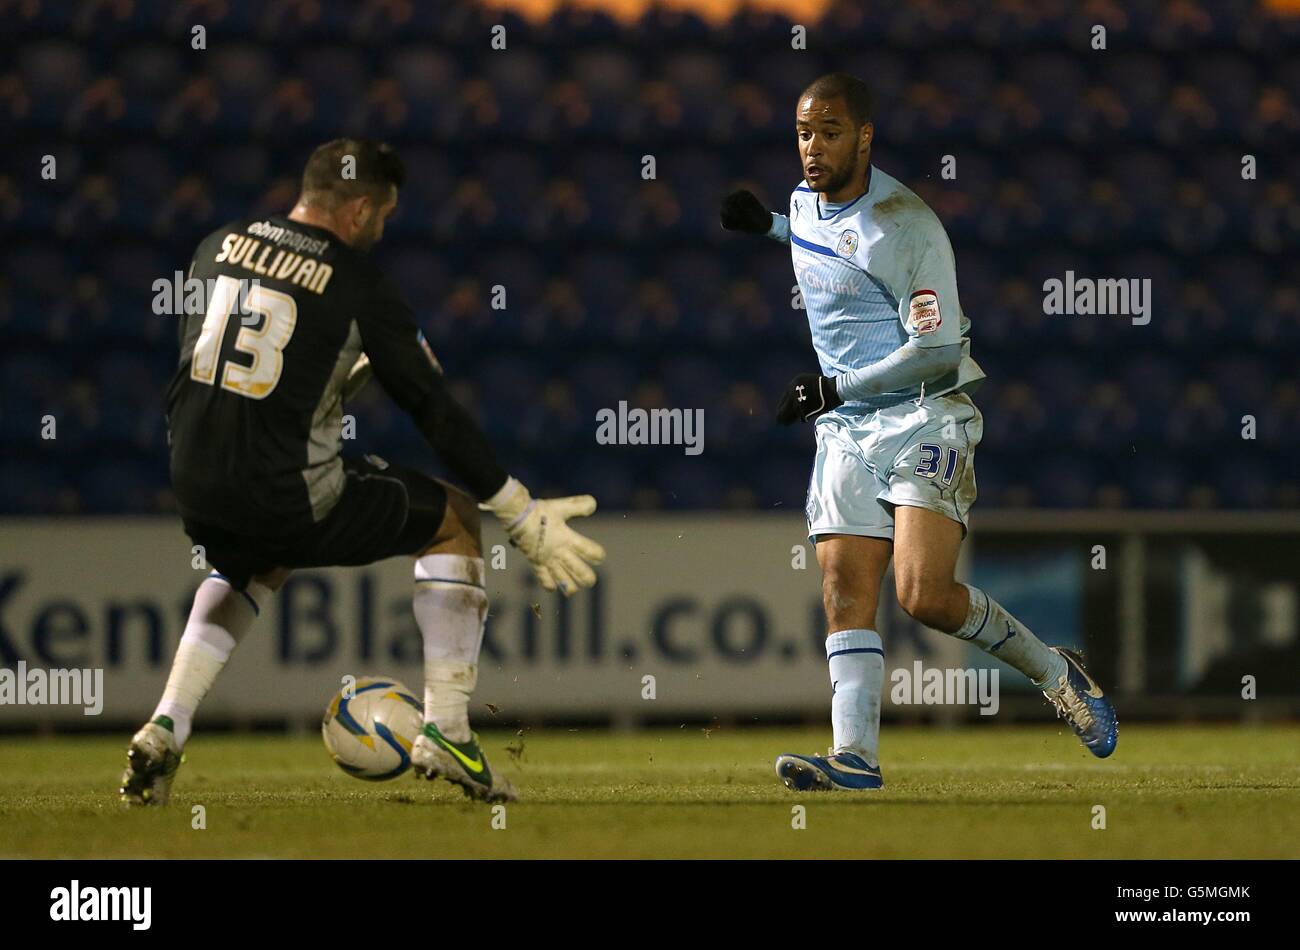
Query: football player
x,y
297,317
896,431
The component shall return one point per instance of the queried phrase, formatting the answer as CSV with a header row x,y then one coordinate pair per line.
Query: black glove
x,y
741,211
807,396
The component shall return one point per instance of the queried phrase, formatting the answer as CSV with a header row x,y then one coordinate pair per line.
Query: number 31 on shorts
x,y
931,456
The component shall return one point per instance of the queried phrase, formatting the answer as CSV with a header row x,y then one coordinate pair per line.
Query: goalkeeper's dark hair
x,y
854,92
330,179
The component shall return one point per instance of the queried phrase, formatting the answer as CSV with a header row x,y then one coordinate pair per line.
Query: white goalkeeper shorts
x,y
918,453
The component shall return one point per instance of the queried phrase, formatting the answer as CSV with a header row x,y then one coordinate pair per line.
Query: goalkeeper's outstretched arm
x,y
405,366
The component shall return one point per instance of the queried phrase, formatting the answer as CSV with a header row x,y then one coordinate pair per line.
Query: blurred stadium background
x,y
1120,507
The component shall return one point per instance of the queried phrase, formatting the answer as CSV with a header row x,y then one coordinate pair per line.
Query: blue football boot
x,y
838,771
1080,702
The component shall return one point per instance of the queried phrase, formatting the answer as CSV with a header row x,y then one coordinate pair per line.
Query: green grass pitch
x,y
1003,792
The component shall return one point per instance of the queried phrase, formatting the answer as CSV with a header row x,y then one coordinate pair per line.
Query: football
x,y
369,727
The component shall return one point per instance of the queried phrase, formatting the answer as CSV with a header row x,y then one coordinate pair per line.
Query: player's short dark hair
x,y
374,166
854,92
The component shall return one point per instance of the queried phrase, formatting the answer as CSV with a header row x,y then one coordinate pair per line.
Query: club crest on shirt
x,y
848,244
923,312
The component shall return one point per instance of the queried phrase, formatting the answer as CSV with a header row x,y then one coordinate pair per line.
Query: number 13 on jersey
x,y
265,345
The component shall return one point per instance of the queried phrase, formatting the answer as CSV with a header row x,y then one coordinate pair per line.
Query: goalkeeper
x,y
255,429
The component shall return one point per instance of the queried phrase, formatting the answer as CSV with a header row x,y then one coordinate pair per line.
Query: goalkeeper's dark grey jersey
x,y
255,406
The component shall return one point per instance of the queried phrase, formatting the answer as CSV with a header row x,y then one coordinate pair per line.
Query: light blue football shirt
x,y
874,273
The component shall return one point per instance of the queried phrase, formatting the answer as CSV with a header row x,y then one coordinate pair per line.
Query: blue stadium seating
x,y
526,172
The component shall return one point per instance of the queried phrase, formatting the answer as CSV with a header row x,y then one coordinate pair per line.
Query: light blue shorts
x,y
918,454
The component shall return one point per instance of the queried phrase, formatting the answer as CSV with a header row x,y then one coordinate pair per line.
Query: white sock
x,y
450,605
997,633
219,618
857,664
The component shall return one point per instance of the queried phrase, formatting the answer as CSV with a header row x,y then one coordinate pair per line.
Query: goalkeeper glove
x,y
807,396
536,526
741,211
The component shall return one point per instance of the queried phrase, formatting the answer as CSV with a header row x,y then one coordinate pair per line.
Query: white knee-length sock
x,y
857,663
997,633
450,605
219,618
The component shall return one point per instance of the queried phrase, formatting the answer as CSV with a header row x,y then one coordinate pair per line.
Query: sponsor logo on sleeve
x,y
923,312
